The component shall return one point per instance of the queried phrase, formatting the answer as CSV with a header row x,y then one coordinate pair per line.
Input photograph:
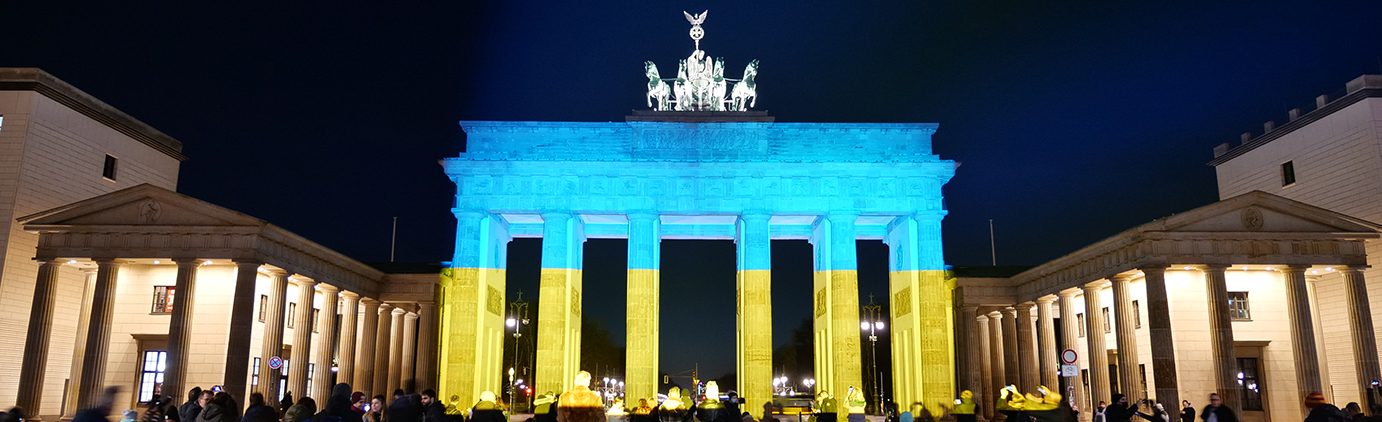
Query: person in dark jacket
x,y
286,404
1187,412
220,408
338,407
1121,410
302,411
189,410
102,409
1321,411
432,409
1216,411
259,411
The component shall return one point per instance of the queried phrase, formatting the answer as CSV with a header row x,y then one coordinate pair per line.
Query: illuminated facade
x,y
700,175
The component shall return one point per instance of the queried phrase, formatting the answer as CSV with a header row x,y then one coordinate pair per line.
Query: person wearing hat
x,y
1321,411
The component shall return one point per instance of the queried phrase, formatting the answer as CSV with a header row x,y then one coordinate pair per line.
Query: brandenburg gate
x,y
700,166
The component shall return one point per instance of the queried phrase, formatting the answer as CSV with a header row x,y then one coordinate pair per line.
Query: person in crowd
x,y
432,409
855,404
487,409
579,404
102,408
1354,412
15,414
156,410
338,407
397,393
711,409
259,411
964,407
1320,411
671,409
196,399
404,408
221,407
642,413
455,412
905,416
175,414
1216,411
1158,412
1122,410
826,408
1187,411
301,411
358,402
733,403
1100,412
286,404
375,410
544,408
130,415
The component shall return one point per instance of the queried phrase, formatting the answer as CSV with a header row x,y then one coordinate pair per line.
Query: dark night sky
x,y
1073,120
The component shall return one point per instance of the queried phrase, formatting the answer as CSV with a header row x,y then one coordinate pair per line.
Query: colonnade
x,y
921,323
993,339
374,362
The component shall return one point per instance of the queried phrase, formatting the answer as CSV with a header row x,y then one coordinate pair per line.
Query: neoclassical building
x,y
1257,297
175,292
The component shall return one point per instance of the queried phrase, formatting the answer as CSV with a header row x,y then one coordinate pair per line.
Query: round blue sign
x,y
275,362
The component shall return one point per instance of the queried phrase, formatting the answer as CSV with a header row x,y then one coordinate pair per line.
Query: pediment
x,y
143,205
1263,212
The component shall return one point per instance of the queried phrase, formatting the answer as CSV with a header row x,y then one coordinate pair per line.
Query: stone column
x,y
642,311
1098,349
426,346
471,348
1125,336
35,364
984,389
326,344
396,344
410,346
237,364
1159,330
1012,359
69,406
1360,331
350,320
838,361
1070,334
753,251
1312,282
272,342
1049,362
922,312
559,303
302,337
380,342
1221,338
997,371
1026,362
364,365
98,334
184,293
1302,331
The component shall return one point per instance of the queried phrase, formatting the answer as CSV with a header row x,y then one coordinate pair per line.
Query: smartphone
x,y
957,401
367,408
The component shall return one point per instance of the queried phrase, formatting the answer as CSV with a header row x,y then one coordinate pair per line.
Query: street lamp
x,y
518,317
872,323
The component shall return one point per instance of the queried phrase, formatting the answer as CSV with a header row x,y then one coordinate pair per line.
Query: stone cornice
x,y
33,79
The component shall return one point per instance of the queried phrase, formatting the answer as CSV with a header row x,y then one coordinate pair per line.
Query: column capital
x,y
1093,287
755,216
327,288
1295,269
1069,293
1121,278
301,281
108,261
410,315
252,264
47,261
89,271
1153,268
350,295
1027,306
969,309
995,315
1046,300
642,215
1212,267
187,261
399,311
559,215
384,307
1355,269
275,272
981,317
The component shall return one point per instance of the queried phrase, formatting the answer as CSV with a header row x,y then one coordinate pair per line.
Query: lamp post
x,y
518,317
872,323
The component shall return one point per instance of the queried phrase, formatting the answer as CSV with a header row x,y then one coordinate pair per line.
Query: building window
x,y
1288,173
1142,378
2,121
1238,306
1247,382
1079,320
263,307
315,313
254,372
108,171
292,309
283,380
151,374
311,367
1136,315
1108,327
163,300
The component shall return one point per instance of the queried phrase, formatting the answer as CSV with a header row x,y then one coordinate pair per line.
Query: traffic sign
x,y
275,362
1069,371
1069,356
